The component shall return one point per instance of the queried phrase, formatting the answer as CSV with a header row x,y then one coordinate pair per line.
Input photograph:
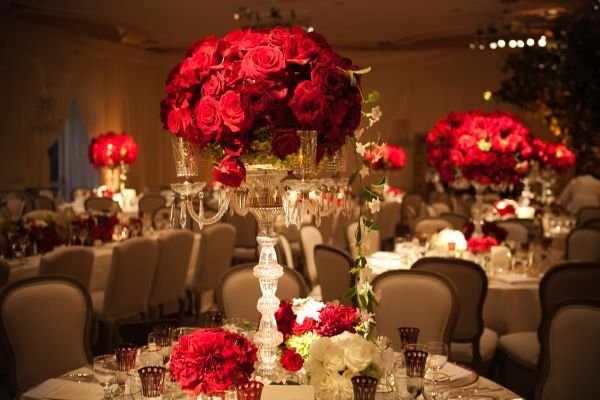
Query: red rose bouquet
x,y
506,207
94,227
555,156
212,359
303,321
242,97
112,149
490,229
481,244
386,156
494,148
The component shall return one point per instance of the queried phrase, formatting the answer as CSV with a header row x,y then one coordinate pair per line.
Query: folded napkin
x,y
455,372
59,389
516,278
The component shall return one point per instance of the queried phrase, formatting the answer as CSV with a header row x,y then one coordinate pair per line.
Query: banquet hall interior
x,y
303,199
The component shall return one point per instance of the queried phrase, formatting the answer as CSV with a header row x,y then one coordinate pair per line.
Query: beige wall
x,y
119,88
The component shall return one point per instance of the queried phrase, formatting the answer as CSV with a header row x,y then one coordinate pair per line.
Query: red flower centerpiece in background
x,y
242,98
481,244
557,157
112,149
494,148
387,156
211,360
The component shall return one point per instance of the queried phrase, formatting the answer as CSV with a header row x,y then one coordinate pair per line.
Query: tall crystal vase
x,y
477,210
261,194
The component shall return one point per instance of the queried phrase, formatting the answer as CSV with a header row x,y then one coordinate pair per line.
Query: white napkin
x,y
455,372
516,278
59,389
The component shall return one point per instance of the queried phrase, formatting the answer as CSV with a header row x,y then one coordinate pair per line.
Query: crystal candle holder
x,y
364,387
304,163
185,157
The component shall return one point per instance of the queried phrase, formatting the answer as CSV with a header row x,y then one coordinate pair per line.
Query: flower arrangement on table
x,y
506,207
386,156
241,99
211,360
493,148
88,228
448,240
327,340
112,150
43,234
556,157
493,235
391,193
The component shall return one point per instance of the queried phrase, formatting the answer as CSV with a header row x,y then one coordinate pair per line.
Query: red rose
x,y
299,48
262,62
308,104
208,118
232,112
278,37
291,361
329,78
285,318
394,156
335,319
284,143
256,100
307,325
230,171
213,85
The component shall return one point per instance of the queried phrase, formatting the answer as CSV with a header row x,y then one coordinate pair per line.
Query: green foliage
x,y
561,82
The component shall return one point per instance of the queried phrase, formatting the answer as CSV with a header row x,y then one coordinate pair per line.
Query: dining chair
x,y
292,234
43,203
149,203
43,215
45,328
412,208
338,231
310,236
168,195
587,213
387,219
4,273
437,208
168,285
472,342
214,259
75,262
583,244
103,204
333,269
128,285
245,248
458,221
430,225
284,252
415,298
46,193
371,242
239,282
591,223
515,231
520,350
570,352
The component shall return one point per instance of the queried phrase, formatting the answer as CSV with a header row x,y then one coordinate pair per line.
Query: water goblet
x,y
436,386
438,355
105,370
162,337
125,354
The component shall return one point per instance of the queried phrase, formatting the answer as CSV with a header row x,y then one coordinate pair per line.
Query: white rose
x,y
330,386
347,388
334,359
359,353
313,368
319,348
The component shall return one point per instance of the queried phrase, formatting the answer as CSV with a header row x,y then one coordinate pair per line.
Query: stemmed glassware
x,y
415,358
436,386
438,355
105,370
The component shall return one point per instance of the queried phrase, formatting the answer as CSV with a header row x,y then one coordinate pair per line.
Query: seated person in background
x,y
582,191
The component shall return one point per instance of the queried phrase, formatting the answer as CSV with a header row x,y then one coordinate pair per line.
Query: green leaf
x,y
369,194
372,97
378,141
361,71
363,301
352,178
381,181
350,293
372,297
371,225
358,234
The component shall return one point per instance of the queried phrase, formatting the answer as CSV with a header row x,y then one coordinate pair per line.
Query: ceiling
x,y
161,25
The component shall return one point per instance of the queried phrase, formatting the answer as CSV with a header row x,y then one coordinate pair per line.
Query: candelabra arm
x,y
198,217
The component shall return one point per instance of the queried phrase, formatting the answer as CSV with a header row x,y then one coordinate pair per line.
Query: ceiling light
x,y
512,43
530,42
493,45
501,43
520,43
481,47
472,46
542,42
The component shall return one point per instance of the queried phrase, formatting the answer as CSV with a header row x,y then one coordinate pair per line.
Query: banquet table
x,y
29,266
80,385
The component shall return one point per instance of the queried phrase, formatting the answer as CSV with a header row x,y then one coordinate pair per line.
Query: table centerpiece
x,y
113,153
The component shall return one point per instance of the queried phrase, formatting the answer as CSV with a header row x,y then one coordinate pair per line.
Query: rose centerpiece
x,y
243,98
113,153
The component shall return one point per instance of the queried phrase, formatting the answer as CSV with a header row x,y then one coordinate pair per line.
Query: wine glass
x,y
151,355
105,371
415,359
438,355
23,241
436,386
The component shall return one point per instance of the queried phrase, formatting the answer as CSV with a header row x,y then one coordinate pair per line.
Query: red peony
x,y
336,318
111,149
481,244
212,359
234,95
285,318
291,361
230,171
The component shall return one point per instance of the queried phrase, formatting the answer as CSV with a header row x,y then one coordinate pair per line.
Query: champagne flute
x,y
105,371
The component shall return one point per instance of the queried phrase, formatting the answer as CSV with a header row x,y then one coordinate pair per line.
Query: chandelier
x,y
43,122
272,17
